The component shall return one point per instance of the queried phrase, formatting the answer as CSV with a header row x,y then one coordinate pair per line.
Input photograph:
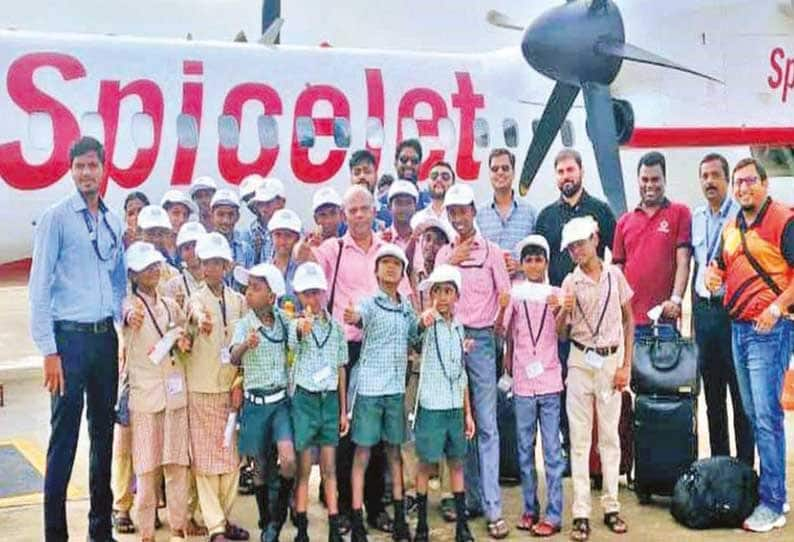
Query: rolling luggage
x,y
626,432
665,366
665,442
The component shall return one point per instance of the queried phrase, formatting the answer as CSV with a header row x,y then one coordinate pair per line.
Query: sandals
x,y
194,529
581,529
545,528
615,524
122,522
498,529
526,522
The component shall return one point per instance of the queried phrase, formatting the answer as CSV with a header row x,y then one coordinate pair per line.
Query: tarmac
x,y
24,429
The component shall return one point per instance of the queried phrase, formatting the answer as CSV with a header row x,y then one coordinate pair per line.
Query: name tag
x,y
226,356
174,384
322,375
593,359
534,369
164,346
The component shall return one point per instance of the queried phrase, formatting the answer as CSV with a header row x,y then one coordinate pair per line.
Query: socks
x,y
399,511
421,502
460,507
260,493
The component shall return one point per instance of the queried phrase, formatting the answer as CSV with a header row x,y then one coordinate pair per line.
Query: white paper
x,y
593,359
505,383
226,356
228,433
164,346
533,369
655,313
530,291
174,384
322,375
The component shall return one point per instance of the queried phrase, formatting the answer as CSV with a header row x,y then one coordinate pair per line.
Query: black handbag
x,y
665,366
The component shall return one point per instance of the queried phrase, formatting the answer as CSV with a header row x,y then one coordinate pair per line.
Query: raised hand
x,y
252,339
135,315
350,315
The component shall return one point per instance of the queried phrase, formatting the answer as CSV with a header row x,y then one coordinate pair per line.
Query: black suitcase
x,y
665,366
665,442
509,469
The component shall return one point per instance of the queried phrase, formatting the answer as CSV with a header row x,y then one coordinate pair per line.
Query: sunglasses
x,y
409,160
747,181
505,168
445,175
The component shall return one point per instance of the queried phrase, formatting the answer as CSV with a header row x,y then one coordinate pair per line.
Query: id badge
x,y
593,359
226,356
174,384
534,369
322,375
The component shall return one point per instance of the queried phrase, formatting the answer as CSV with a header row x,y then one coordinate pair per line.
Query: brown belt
x,y
600,350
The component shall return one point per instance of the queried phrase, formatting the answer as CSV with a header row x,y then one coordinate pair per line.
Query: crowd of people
x,y
375,343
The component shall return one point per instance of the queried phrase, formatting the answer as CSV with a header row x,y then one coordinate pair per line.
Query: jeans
x,y
761,361
482,460
715,354
90,369
542,410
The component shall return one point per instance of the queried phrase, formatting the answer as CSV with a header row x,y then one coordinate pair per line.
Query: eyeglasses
x,y
445,175
409,160
748,181
504,167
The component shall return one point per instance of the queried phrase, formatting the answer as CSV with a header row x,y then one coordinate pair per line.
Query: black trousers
x,y
374,481
90,370
713,337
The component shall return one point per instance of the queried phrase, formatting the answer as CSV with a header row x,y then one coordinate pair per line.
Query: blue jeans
x,y
90,369
543,410
481,468
761,361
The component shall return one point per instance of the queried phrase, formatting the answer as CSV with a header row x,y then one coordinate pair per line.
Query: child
x,y
390,325
260,346
157,398
156,228
215,308
534,365
190,277
442,411
319,406
285,229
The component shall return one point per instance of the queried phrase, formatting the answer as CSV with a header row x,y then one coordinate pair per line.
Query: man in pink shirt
x,y
482,268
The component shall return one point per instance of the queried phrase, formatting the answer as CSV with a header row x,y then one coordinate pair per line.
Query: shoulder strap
x,y
757,266
336,273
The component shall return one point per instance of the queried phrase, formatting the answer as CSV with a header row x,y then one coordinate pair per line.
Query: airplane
x,y
171,109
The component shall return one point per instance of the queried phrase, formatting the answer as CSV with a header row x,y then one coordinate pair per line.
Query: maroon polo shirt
x,y
646,246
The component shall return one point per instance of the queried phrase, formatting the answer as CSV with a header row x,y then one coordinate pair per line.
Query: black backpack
x,y
716,492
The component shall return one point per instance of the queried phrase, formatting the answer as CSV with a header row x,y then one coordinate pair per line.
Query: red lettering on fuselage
x,y
425,127
192,100
783,72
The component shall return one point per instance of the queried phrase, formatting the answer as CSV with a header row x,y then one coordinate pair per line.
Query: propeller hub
x,y
561,43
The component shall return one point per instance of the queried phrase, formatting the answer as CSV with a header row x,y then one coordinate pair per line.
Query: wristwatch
x,y
675,298
774,310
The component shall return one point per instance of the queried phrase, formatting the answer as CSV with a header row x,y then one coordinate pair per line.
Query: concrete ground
x,y
24,423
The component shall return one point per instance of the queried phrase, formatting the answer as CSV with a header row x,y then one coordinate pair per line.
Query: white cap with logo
x,y
202,183
224,196
441,274
250,185
309,276
578,229
190,231
532,240
325,196
177,196
390,249
266,271
459,194
422,222
213,245
141,255
402,187
153,216
271,189
285,219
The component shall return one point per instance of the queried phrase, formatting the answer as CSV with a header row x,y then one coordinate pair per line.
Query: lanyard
x,y
713,239
151,314
222,303
184,279
93,234
380,304
536,339
441,358
321,344
275,340
603,310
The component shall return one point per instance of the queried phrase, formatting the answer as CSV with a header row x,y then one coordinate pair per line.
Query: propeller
x,y
581,45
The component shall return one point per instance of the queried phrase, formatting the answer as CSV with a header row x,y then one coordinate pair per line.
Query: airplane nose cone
x,y
561,43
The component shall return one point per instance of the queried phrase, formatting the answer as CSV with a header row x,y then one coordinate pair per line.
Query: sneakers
x,y
763,520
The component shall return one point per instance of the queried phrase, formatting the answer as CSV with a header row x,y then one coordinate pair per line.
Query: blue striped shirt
x,y
507,232
443,379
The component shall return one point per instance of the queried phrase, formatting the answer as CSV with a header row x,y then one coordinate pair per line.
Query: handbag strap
x,y
757,266
336,274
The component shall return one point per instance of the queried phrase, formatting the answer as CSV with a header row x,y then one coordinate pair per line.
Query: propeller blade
x,y
627,51
270,36
603,134
497,18
557,107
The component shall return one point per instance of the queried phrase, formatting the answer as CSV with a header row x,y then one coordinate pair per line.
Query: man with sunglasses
x,y
77,282
441,177
407,161
755,265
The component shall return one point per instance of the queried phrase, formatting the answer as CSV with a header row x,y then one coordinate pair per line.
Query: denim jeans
x,y
90,370
531,412
761,361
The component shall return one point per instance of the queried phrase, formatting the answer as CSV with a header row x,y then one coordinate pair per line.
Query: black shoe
x,y
402,533
302,524
422,534
381,521
343,522
411,505
462,533
333,529
358,533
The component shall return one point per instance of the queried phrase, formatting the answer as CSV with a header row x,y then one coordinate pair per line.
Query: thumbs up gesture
x,y
205,321
135,315
306,322
714,277
350,315
252,339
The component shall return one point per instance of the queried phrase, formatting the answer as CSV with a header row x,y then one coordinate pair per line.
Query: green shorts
x,y
315,417
262,426
378,418
439,435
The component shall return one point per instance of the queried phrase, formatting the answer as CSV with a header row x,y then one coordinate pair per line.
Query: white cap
x,y
326,196
190,231
250,185
203,183
421,222
309,276
271,189
285,219
442,273
266,271
141,255
406,188
577,229
177,196
224,196
390,249
153,216
459,194
213,245
533,240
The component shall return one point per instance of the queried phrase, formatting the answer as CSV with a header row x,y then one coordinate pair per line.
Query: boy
x,y
156,228
389,325
190,277
319,406
179,207
260,346
534,365
225,209
442,410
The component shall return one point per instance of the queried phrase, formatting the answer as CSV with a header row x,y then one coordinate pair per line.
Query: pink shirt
x,y
484,276
539,347
356,278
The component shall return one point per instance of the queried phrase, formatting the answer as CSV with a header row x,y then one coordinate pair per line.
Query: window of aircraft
x,y
409,128
40,130
510,129
778,161
228,131
143,130
268,131
446,133
566,132
481,135
304,126
341,132
91,124
374,133
187,131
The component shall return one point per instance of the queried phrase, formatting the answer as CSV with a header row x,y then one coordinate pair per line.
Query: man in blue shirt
x,y
77,282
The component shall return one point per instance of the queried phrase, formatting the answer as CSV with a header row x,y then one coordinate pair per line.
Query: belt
x,y
322,393
711,301
600,350
101,326
265,397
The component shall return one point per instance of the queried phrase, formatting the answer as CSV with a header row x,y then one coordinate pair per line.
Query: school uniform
x,y
181,286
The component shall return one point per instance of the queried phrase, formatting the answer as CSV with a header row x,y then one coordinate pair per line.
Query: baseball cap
x,y
423,222
309,276
271,189
441,274
177,196
224,196
153,216
459,194
390,249
141,255
203,183
325,196
250,185
578,229
266,271
402,187
285,219
213,245
532,240
190,231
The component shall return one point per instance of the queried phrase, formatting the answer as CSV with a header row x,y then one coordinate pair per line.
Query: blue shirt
x,y
260,240
242,254
507,232
443,380
69,279
706,229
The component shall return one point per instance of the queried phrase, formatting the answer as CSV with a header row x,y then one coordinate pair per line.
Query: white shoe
x,y
786,507
763,520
